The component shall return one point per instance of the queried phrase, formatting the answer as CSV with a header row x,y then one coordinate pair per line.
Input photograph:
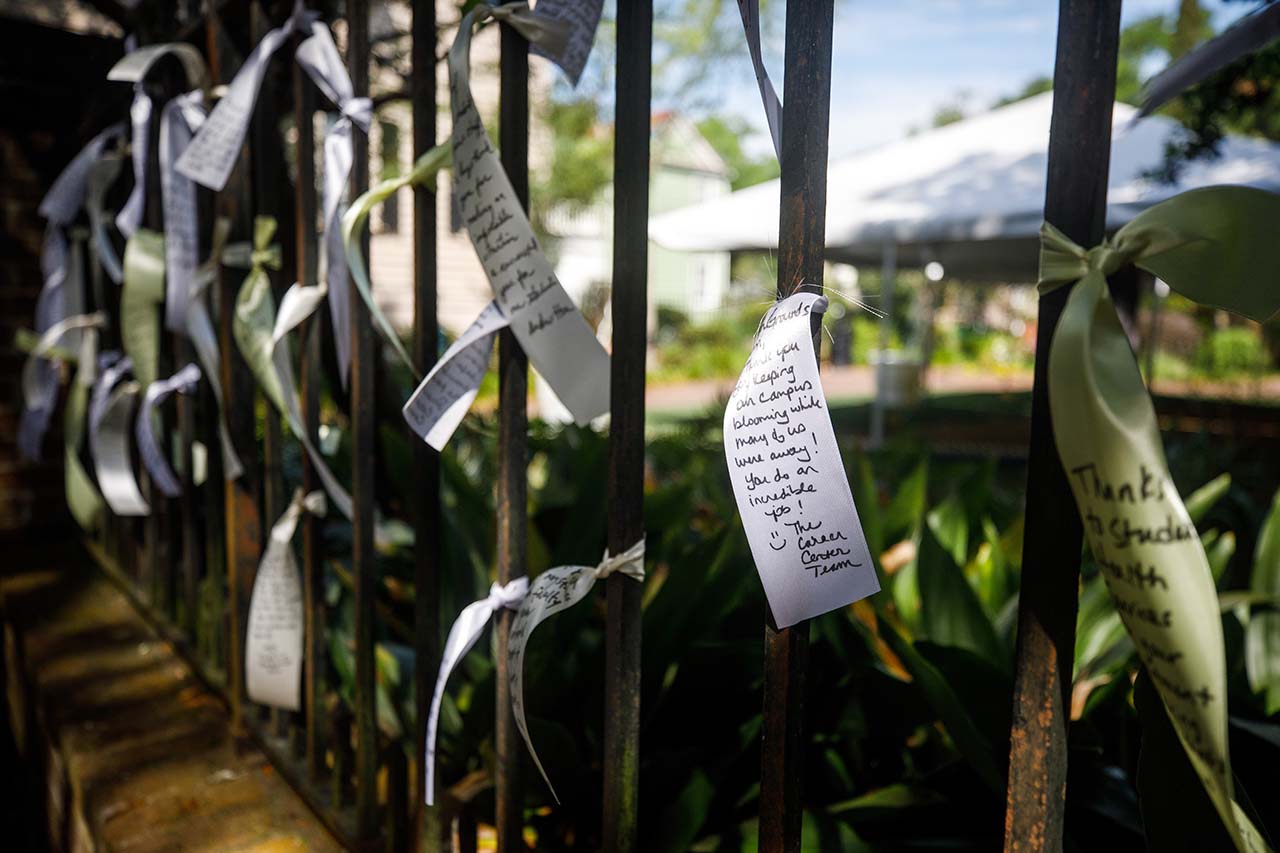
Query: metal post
x,y
805,118
888,280
626,431
243,525
315,654
363,449
513,447
426,463
1075,201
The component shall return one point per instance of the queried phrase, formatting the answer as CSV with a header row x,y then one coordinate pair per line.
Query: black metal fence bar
x,y
1075,201
364,567
806,113
310,382
243,523
426,462
626,430
513,447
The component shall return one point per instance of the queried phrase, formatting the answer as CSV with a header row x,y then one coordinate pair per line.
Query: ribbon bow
x,y
463,636
265,255
552,591
1215,245
258,332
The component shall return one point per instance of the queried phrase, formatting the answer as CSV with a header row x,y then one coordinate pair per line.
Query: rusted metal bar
x,y
315,652
426,462
363,453
802,220
243,523
513,447
1075,201
265,188
626,431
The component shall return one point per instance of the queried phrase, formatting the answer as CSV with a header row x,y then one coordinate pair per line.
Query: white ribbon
x,y
181,117
57,300
750,12
109,444
318,56
210,157
552,591
273,642
35,393
102,175
130,216
549,327
162,476
463,636
112,369
440,402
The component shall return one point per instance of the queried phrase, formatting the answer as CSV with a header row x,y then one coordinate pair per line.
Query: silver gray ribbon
x,y
130,216
162,476
112,460
57,300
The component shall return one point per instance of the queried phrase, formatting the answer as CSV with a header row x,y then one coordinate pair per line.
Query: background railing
x,y
191,564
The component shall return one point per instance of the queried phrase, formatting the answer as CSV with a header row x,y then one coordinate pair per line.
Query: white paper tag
x,y
554,334
788,478
439,404
273,641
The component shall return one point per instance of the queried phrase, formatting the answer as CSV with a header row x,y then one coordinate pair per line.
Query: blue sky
x,y
896,61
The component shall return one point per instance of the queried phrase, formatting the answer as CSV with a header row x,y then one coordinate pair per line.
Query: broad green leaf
x,y
950,525
1202,499
950,613
682,819
950,710
907,506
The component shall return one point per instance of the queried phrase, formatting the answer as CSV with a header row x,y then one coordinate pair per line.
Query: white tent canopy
x,y
969,195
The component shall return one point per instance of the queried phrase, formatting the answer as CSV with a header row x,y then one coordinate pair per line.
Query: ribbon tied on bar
x,y
162,476
463,636
273,641
1216,246
62,293
552,591
212,154
260,333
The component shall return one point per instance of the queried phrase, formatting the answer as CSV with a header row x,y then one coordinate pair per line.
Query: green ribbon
x,y
140,297
1217,246
423,174
256,311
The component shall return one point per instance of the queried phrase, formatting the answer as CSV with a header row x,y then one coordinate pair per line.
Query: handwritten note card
x,y
273,645
582,18
554,334
438,405
788,479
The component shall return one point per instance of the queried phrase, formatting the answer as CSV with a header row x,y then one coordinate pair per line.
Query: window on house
x,y
390,150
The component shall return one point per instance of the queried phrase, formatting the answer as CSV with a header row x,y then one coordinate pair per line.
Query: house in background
x,y
684,170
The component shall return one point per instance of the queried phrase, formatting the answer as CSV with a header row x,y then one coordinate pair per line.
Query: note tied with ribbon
x,y
558,340
788,479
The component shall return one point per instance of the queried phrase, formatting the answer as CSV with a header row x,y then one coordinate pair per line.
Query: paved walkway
x,y
136,753
840,383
